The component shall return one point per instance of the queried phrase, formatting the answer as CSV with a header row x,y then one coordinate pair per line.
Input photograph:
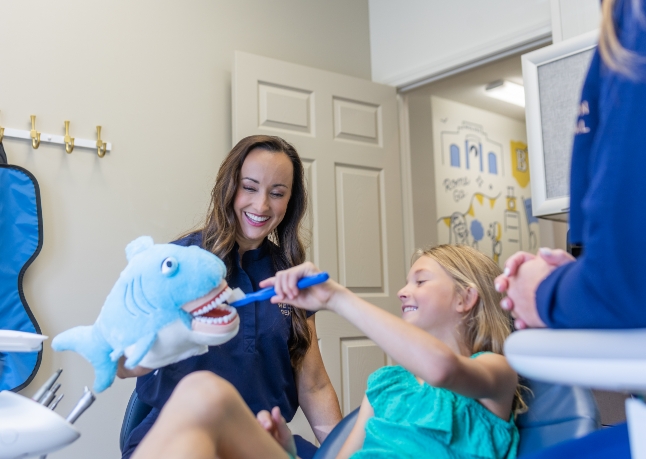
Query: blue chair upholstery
x,y
334,441
556,413
136,411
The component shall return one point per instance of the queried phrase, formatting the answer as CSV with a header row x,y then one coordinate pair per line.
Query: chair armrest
x,y
600,359
335,440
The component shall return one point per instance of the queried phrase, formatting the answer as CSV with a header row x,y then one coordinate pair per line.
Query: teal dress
x,y
414,420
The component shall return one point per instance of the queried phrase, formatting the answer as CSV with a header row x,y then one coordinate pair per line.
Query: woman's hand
x,y
123,372
275,424
521,282
313,298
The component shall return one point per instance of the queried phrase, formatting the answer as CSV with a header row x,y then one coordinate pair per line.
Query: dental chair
x,y
612,360
556,413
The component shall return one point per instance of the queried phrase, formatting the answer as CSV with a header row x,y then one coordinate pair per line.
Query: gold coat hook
x,y
1,134
69,141
35,136
101,146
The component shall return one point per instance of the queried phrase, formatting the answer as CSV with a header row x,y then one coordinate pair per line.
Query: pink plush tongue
x,y
216,313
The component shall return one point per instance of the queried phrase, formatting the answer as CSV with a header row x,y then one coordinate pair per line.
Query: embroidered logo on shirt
x,y
584,109
285,309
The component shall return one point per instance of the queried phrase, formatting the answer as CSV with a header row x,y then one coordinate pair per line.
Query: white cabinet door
x,y
346,131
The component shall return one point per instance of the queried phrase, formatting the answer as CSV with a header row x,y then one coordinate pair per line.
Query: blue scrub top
x,y
604,287
256,361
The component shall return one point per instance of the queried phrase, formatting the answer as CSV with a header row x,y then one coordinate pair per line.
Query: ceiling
x,y
468,87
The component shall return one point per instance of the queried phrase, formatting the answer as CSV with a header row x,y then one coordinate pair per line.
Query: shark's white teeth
x,y
220,320
218,300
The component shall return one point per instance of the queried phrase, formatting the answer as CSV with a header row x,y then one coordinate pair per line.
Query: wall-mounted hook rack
x,y
51,138
35,135
69,141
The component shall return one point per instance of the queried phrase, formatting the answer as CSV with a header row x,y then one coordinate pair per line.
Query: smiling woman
x,y
262,197
257,205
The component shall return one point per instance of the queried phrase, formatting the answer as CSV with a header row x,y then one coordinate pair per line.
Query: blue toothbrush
x,y
241,299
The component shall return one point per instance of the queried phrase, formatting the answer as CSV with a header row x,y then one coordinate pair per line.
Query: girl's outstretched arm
x,y
488,377
354,442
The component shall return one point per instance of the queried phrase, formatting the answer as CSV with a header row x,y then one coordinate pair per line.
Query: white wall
x,y
574,17
156,76
416,39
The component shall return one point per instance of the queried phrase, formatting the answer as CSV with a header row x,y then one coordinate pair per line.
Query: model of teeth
x,y
222,297
232,313
256,218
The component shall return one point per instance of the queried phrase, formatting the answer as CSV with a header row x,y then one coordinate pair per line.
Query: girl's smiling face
x,y
430,299
264,189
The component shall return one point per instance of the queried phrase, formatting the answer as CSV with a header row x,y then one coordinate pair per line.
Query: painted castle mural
x,y
482,181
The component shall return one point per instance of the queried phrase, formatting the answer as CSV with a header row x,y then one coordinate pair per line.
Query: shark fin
x,y
138,245
140,349
95,350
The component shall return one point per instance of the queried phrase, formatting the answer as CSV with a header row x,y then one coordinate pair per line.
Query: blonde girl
x,y
452,394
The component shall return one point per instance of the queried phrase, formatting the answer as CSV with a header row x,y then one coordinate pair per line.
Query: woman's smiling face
x,y
264,189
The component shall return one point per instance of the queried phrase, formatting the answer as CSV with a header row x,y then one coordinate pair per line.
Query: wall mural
x,y
482,181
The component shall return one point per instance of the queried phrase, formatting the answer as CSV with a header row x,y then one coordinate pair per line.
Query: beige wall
x,y
156,75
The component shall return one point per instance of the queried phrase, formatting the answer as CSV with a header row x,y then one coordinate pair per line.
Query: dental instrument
x,y
83,404
40,393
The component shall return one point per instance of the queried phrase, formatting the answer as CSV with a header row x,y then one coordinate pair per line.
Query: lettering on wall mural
x,y
482,181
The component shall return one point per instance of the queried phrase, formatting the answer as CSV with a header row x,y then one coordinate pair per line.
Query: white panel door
x,y
346,131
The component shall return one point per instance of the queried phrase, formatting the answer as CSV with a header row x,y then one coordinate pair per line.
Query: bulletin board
x,y
553,78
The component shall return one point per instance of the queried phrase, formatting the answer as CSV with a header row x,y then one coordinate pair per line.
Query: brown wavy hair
x,y
286,247
614,55
486,325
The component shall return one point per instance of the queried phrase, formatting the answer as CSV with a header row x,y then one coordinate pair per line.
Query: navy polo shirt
x,y
256,361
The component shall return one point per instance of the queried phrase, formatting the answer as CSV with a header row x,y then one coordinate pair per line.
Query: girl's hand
x,y
275,425
313,298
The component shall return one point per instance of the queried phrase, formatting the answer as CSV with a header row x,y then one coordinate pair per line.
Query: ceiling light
x,y
513,93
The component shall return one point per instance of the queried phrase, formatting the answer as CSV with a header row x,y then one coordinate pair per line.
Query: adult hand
x,y
511,268
313,298
521,294
553,257
275,424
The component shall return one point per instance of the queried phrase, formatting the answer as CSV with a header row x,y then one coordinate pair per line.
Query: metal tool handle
x,y
268,292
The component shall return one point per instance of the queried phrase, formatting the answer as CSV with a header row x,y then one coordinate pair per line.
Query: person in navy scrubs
x,y
603,288
257,205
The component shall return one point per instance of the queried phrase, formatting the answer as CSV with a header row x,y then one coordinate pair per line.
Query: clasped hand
x,y
523,274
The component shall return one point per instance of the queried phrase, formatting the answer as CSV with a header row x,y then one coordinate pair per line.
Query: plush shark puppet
x,y
167,305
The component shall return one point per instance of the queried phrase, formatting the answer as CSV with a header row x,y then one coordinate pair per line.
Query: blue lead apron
x,y
21,238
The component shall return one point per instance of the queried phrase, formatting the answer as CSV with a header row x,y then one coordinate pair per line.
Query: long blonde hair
x,y
614,55
486,325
